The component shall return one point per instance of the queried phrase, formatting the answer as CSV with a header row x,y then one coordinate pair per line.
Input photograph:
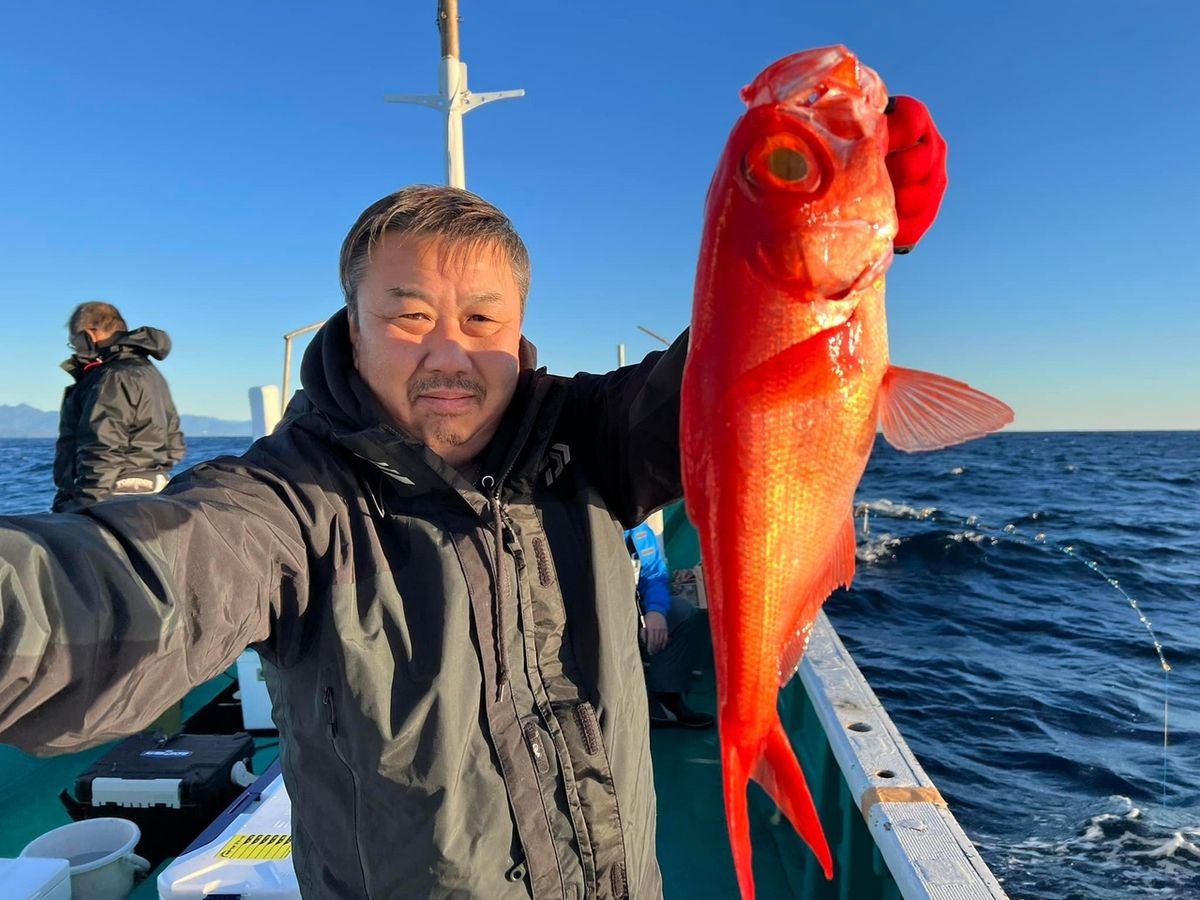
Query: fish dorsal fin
x,y
838,572
923,411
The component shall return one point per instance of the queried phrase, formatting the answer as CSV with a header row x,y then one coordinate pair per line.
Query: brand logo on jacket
x,y
391,472
556,460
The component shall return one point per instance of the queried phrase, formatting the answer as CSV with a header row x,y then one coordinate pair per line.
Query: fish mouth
x,y
831,311
803,267
870,273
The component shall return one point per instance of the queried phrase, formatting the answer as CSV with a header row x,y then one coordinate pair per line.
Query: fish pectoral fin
x,y
817,365
923,411
779,773
838,572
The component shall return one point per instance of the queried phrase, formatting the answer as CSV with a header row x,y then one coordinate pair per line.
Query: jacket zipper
x,y
493,486
537,749
327,699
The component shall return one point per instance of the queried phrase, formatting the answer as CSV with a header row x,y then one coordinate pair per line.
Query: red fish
x,y
786,381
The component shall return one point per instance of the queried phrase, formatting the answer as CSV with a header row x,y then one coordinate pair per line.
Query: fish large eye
x,y
788,165
783,161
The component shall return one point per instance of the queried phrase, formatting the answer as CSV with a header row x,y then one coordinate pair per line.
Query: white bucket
x,y
99,853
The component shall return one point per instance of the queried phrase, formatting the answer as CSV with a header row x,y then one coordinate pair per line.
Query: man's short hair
x,y
426,210
103,317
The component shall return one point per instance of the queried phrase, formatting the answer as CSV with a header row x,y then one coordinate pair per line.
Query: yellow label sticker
x,y
257,846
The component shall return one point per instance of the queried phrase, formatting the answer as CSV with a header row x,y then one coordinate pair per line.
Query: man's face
x,y
436,337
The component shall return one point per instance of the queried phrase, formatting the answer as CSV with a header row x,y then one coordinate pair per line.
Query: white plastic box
x,y
251,858
35,878
256,702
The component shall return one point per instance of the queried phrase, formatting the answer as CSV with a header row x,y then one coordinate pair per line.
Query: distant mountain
x,y
23,420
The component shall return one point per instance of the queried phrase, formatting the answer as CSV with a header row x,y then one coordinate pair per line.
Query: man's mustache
x,y
446,383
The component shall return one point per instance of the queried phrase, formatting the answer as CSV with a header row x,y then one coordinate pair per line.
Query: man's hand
x,y
655,635
916,162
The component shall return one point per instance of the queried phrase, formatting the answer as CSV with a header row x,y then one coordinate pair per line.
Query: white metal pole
x,y
287,360
287,372
452,84
657,337
452,78
454,99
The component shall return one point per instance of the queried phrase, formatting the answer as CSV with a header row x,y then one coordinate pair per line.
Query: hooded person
x,y
118,430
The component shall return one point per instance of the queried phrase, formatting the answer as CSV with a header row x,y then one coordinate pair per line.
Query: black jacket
x,y
117,421
453,666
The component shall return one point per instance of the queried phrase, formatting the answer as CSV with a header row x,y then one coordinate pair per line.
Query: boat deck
x,y
29,785
693,845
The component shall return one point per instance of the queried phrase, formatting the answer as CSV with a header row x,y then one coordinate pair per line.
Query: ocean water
x,y
985,615
27,469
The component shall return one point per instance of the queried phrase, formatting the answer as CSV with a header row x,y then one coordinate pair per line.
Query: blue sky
x,y
198,166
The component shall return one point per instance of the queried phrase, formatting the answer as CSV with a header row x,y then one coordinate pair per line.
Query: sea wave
x,y
934,548
1130,851
890,509
877,548
1015,667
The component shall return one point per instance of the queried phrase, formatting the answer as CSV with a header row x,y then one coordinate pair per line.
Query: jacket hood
x,y
331,382
143,341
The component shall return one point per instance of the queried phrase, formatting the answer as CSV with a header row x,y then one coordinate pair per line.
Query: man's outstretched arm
x,y
109,616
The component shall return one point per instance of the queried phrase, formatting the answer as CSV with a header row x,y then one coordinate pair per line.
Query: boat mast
x,y
453,97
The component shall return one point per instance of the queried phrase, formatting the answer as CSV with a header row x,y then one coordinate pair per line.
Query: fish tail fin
x,y
736,774
778,771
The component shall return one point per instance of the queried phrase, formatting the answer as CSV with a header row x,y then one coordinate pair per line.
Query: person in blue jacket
x,y
668,634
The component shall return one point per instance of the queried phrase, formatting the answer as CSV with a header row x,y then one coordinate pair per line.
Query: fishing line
x,y
1012,533
1069,550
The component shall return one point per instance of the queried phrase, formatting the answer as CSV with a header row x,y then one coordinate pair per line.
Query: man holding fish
x,y
428,552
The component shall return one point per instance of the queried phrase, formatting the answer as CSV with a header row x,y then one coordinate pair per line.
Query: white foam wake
x,y
879,547
885,507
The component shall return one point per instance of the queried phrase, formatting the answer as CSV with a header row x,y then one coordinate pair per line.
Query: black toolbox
x,y
171,787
